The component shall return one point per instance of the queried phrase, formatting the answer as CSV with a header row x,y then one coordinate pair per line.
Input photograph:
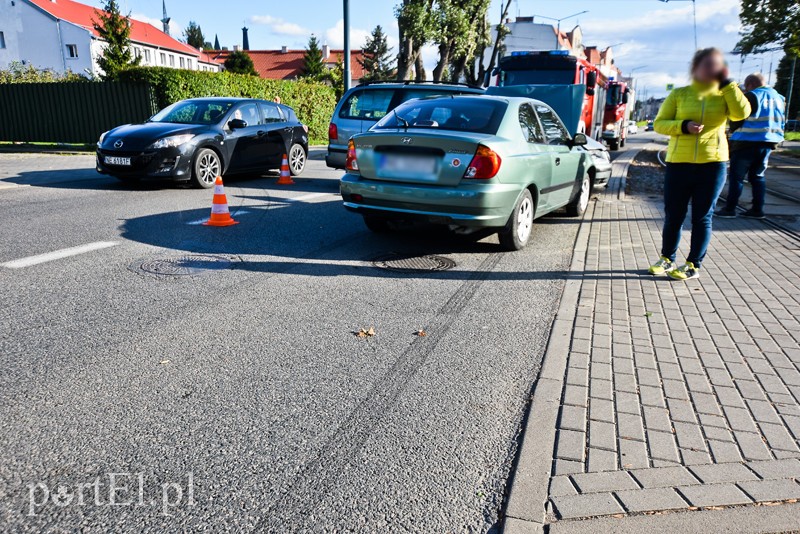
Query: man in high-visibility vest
x,y
752,142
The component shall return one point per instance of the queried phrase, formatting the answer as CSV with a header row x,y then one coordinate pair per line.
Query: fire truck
x,y
619,103
559,68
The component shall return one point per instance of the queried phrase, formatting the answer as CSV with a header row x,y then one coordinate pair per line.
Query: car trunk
x,y
416,156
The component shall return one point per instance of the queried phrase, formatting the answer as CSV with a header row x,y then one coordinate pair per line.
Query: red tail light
x,y
351,163
333,132
484,165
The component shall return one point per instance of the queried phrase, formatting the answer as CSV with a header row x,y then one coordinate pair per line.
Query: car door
x,y
247,153
277,139
537,159
565,161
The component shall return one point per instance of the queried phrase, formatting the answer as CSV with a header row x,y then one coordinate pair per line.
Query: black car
x,y
202,138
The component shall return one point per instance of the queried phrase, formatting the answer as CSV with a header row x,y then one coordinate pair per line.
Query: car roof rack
x,y
423,82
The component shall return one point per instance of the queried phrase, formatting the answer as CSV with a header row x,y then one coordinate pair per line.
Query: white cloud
x,y
175,29
335,36
280,26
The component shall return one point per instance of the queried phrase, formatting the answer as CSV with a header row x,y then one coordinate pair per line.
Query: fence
x,y
70,112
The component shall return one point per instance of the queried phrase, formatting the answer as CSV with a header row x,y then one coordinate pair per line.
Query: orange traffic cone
x,y
286,175
220,216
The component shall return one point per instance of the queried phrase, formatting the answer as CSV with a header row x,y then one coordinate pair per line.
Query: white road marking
x,y
58,254
310,196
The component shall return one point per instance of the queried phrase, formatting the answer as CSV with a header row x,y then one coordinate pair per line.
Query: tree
x,y
378,63
313,66
239,62
460,30
770,22
501,32
115,29
416,28
194,36
335,77
784,80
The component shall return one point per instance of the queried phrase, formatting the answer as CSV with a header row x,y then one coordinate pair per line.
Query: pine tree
x,y
240,62
378,63
313,66
115,29
194,35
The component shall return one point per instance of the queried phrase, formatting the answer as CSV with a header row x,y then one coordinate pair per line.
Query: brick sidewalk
x,y
674,395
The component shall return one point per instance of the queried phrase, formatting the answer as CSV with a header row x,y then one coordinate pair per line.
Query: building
x,y
526,35
59,35
285,64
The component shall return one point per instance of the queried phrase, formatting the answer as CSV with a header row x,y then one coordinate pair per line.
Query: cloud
x,y
175,29
280,26
335,36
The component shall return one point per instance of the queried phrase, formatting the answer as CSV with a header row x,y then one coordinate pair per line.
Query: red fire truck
x,y
554,68
619,103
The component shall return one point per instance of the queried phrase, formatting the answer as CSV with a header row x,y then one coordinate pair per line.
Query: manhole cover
x,y
187,265
412,264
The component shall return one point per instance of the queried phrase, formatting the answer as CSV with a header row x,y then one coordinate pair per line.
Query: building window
x,y
189,64
183,63
72,51
163,59
146,55
2,40
137,52
171,60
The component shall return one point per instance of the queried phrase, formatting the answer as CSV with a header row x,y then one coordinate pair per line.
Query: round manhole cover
x,y
414,264
186,265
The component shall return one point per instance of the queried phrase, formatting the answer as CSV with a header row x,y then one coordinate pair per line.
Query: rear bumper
x,y
336,157
472,205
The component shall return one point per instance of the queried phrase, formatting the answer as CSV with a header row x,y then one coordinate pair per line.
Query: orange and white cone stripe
x,y
220,215
286,174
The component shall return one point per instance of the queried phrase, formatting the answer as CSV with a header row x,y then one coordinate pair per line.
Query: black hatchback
x,y
202,138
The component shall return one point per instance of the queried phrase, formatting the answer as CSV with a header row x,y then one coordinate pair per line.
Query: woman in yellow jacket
x,y
695,117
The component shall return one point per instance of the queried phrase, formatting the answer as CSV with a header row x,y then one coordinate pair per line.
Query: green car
x,y
469,162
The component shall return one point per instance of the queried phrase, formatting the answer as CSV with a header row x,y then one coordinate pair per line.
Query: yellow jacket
x,y
705,104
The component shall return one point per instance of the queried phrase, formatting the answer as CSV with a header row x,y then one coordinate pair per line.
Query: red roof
x,y
279,65
84,16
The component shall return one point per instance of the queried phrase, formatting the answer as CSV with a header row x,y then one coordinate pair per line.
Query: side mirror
x,y
237,124
625,98
591,79
580,140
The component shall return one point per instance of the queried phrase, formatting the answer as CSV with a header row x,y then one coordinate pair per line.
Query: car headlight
x,y
102,136
172,141
610,127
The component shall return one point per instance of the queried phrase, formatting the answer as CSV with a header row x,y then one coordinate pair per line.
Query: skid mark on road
x,y
58,254
336,456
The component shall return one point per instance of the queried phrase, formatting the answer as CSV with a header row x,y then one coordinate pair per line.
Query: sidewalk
x,y
664,404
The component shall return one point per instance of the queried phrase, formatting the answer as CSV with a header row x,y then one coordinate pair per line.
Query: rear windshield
x,y
367,104
478,115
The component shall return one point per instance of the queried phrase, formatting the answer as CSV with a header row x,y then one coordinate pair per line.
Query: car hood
x,y
140,136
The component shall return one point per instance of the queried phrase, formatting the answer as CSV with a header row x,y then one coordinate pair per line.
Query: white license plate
x,y
395,163
113,160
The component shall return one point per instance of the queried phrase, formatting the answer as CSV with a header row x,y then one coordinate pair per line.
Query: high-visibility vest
x,y
766,122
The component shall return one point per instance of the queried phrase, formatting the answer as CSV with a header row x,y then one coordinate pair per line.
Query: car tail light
x,y
333,132
484,165
351,164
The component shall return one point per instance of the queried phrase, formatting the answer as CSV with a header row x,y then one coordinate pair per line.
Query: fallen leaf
x,y
369,332
421,333
618,516
648,314
163,362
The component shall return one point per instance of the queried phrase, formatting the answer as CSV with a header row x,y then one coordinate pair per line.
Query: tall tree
x,y
313,66
378,63
784,80
115,29
460,29
770,22
501,31
335,77
416,28
240,62
194,35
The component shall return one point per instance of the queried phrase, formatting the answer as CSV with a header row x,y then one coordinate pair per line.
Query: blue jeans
x,y
750,163
700,184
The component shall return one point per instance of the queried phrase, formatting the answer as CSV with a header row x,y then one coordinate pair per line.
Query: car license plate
x,y
113,160
395,163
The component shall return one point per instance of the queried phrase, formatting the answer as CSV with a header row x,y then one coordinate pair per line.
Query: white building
x,y
59,35
528,35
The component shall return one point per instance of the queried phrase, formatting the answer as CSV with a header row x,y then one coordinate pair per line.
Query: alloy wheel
x,y
297,159
524,220
208,168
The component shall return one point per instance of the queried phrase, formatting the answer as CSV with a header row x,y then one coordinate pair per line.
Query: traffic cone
x,y
220,216
286,175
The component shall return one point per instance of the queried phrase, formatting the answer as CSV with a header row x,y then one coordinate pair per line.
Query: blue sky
x,y
654,35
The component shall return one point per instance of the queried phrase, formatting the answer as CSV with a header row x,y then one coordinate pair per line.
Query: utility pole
x,y
694,12
791,86
347,68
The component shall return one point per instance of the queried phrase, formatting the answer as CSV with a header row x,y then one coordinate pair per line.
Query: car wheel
x,y
379,225
613,145
518,230
297,159
622,142
578,206
207,167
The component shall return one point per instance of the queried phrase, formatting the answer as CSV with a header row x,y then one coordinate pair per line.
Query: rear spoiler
x,y
566,100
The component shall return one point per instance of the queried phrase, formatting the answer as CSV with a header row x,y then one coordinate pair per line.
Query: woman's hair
x,y
702,54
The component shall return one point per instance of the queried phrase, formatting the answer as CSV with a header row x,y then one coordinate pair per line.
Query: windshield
x,y
537,77
614,95
476,115
194,112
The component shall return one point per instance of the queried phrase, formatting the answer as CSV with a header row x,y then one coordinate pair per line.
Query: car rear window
x,y
478,115
367,104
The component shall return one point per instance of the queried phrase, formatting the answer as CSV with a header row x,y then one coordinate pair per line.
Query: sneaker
x,y
725,213
750,214
663,265
684,272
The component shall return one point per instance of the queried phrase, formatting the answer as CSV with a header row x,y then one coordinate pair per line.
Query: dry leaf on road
x,y
369,332
421,333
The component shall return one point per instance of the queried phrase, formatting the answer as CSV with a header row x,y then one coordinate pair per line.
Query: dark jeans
x,y
700,184
750,163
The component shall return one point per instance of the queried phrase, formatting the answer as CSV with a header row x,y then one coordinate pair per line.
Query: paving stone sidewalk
x,y
675,395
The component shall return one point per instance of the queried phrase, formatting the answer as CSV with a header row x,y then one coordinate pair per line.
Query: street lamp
x,y
694,12
558,30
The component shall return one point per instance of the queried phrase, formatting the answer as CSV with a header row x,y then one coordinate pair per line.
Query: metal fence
x,y
70,112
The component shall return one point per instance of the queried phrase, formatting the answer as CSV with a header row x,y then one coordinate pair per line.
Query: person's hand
x,y
724,74
694,128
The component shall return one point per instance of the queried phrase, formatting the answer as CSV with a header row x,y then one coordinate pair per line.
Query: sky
x,y
653,37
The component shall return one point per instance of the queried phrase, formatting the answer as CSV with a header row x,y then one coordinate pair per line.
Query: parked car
x,y
202,138
362,106
649,127
469,162
633,128
601,159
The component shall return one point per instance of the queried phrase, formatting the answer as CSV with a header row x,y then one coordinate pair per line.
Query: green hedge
x,y
313,102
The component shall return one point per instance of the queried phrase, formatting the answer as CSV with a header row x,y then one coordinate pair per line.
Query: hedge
x,y
313,102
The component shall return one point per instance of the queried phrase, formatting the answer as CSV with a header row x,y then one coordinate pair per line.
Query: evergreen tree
x,y
240,62
194,36
115,29
378,62
782,85
313,66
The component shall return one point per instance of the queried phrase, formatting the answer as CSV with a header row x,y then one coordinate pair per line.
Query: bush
x,y
19,73
313,102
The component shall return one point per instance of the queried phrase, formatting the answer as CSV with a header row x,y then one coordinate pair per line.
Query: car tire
x,y
206,168
378,225
622,142
613,145
578,205
297,159
517,232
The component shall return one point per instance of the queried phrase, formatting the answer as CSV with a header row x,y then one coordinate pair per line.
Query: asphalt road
x,y
239,398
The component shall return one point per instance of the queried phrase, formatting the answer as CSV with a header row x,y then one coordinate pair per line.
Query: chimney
x,y
284,49
245,39
326,51
236,48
